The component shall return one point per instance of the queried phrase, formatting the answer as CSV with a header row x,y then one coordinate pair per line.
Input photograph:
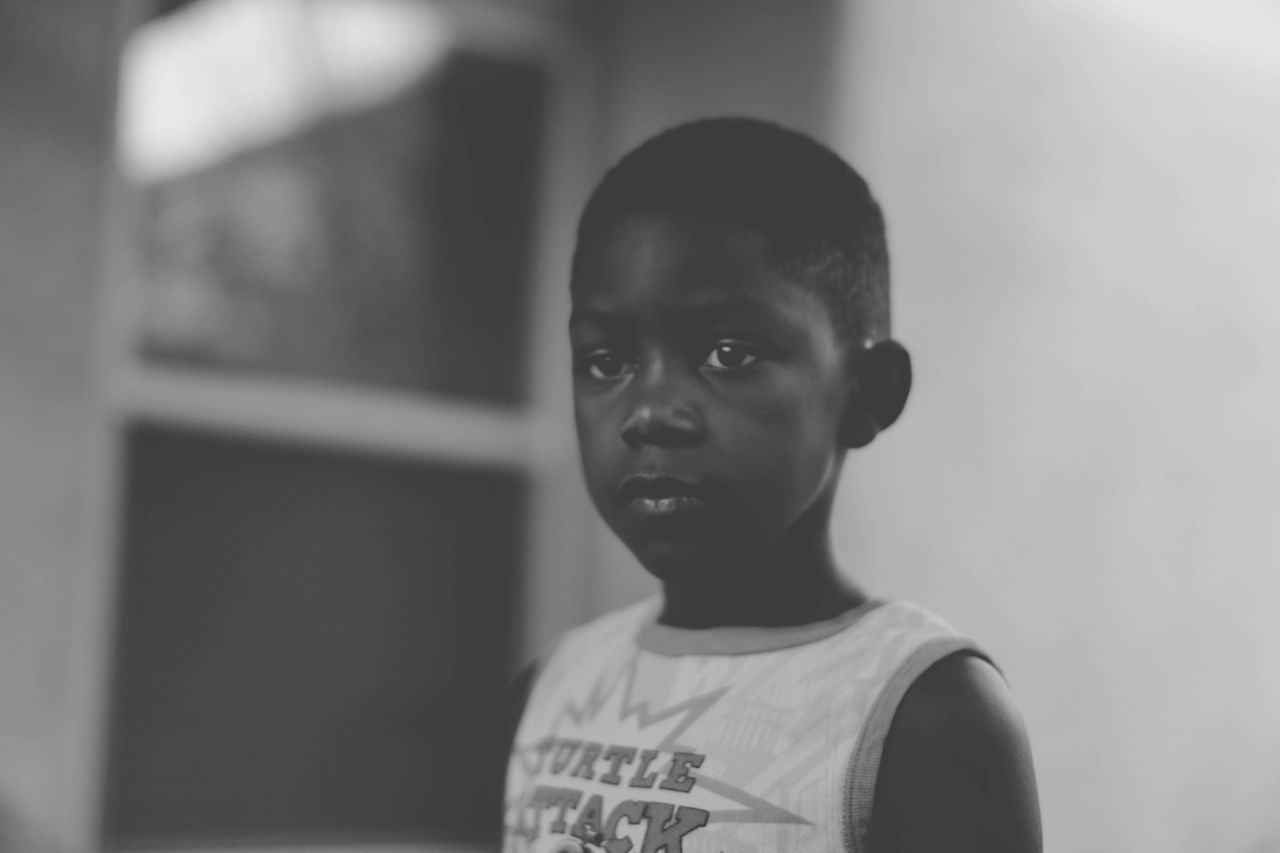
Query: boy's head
x,y
822,226
730,333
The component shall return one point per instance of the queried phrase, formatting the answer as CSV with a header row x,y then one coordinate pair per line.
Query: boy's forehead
x,y
669,270
675,253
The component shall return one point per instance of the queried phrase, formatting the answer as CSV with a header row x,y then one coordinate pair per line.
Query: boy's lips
x,y
661,495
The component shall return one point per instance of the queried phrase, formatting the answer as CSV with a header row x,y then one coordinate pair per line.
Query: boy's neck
x,y
768,592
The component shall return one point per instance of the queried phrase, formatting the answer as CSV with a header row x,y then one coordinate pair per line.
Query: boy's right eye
x,y
602,364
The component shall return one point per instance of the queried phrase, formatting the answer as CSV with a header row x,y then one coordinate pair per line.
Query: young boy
x,y
730,332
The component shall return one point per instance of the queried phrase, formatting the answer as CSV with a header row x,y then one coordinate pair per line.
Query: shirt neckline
x,y
670,641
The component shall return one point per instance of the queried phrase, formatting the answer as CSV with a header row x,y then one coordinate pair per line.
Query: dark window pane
x,y
387,247
311,646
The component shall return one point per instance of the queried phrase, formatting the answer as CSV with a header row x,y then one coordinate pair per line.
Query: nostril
x,y
672,425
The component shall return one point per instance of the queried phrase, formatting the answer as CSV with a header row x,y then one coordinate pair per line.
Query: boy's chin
x,y
699,545
680,560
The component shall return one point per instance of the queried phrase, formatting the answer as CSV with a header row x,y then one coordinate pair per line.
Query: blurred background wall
x,y
1083,200
1083,203
56,81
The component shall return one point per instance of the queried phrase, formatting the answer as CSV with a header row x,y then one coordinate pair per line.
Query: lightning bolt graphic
x,y
622,683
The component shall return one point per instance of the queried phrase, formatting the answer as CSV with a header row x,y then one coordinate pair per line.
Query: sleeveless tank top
x,y
643,738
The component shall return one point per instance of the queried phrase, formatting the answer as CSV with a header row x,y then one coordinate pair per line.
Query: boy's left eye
x,y
731,355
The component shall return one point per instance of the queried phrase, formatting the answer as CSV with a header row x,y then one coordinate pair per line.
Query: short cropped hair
x,y
817,214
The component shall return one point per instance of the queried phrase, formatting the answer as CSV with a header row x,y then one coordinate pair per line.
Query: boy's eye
x,y
602,364
731,355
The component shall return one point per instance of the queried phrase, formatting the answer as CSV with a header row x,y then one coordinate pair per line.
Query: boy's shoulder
x,y
956,764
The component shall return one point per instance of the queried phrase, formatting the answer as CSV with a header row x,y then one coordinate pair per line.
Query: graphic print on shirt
x,y
747,748
612,770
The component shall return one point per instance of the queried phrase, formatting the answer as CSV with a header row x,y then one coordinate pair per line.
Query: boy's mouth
x,y
655,495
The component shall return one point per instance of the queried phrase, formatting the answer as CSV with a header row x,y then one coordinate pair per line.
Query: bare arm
x,y
956,772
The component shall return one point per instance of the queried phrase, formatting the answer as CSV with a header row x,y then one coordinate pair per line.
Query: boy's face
x,y
707,393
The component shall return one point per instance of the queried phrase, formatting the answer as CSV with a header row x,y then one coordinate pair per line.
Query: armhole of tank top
x,y
864,761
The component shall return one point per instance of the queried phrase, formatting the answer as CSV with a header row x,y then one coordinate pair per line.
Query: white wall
x,y
1084,206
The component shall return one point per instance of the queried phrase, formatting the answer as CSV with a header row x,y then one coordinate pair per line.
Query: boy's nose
x,y
660,417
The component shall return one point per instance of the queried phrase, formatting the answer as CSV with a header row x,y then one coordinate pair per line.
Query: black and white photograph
x,y
639,426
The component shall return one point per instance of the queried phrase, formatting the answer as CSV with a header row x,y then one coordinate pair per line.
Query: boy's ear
x,y
882,382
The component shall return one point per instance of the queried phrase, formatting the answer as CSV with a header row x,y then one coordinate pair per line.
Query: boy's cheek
x,y
589,412
596,468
